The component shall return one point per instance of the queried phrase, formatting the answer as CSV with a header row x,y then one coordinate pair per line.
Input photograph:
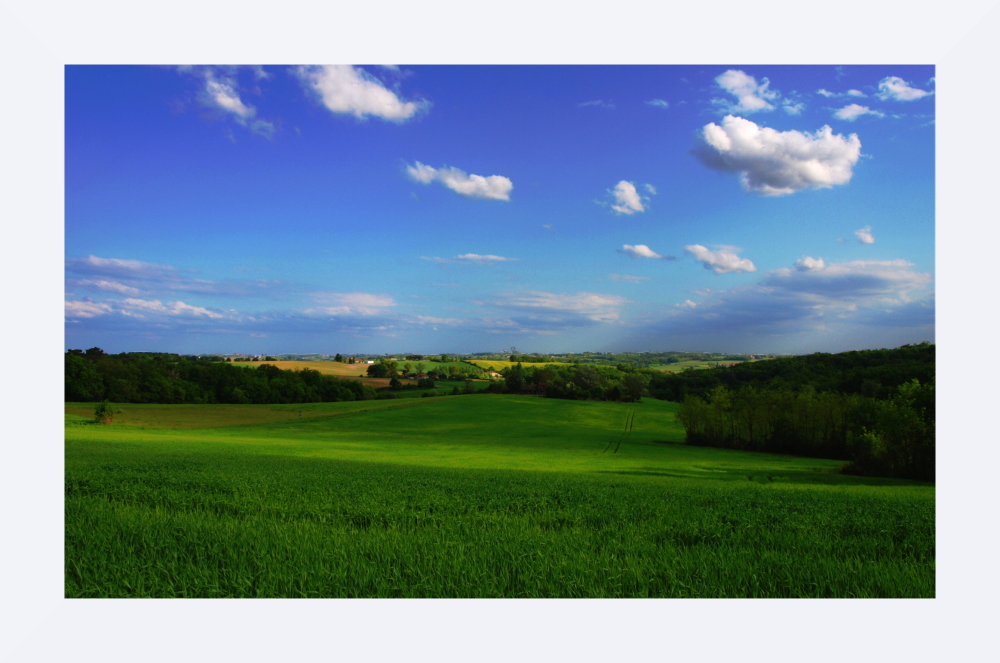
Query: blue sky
x,y
370,209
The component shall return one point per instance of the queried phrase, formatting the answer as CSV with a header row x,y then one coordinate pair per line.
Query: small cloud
x,y
895,88
809,264
849,93
723,261
107,286
627,278
548,226
793,107
687,304
628,199
865,235
650,188
348,90
751,95
495,187
852,112
599,103
659,103
473,258
221,91
642,251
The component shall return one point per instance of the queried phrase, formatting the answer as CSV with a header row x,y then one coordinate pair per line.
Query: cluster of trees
x,y
390,368
842,413
874,373
575,382
140,377
531,359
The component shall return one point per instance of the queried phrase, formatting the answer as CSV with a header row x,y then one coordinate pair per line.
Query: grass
x,y
485,496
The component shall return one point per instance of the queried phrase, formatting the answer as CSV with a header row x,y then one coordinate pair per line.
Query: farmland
x,y
499,365
470,496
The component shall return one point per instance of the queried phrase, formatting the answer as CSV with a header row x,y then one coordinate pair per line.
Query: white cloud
x,y
659,103
108,286
793,107
221,91
775,163
354,299
495,187
587,305
168,308
886,283
723,261
849,93
86,309
844,305
222,94
751,96
599,103
627,278
650,188
628,199
853,111
641,251
809,264
865,235
348,90
473,258
481,259
137,308
895,88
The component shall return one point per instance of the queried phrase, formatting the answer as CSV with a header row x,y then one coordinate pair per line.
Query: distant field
x,y
497,365
697,363
466,496
338,369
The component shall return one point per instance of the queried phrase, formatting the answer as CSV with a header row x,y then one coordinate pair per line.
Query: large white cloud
x,y
895,88
751,96
723,261
775,163
810,306
349,90
627,199
496,187
887,282
853,111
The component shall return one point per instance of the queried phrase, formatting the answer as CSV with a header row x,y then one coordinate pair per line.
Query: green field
x,y
469,496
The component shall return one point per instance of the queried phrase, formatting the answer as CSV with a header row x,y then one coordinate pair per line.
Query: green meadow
x,y
469,496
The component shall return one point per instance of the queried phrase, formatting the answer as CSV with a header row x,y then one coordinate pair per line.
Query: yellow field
x,y
497,365
335,368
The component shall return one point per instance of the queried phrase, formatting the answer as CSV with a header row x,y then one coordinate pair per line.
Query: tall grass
x,y
292,509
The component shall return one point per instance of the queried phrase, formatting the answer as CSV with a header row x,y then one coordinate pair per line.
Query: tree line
x,y
828,406
575,382
140,377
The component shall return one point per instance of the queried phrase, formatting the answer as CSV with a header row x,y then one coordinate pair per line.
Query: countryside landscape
x,y
352,331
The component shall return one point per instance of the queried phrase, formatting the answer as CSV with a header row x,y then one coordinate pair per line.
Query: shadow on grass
x,y
756,475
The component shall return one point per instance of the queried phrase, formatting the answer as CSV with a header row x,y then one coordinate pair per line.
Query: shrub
x,y
105,412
